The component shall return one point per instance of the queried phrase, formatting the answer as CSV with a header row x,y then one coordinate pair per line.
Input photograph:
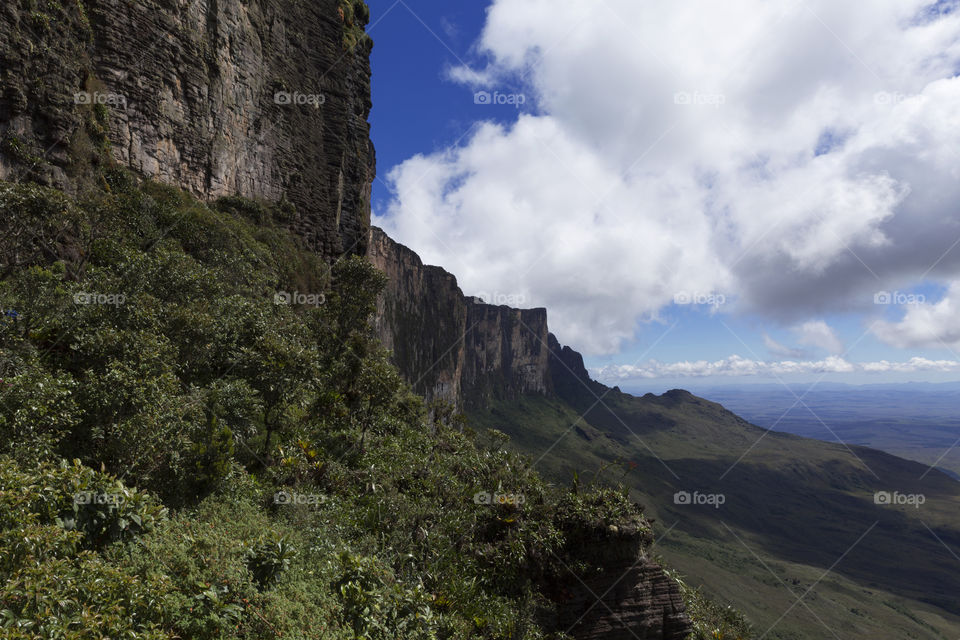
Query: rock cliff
x,y
260,98
452,347
468,353
624,596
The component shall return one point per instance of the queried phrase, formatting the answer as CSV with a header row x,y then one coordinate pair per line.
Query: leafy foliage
x,y
355,14
712,621
146,335
55,586
267,560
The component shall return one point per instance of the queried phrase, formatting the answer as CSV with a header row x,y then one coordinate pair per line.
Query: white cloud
x,y
926,324
471,77
621,192
817,333
740,367
913,365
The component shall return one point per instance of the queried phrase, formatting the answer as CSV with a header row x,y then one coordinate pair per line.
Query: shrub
x,y
268,560
55,585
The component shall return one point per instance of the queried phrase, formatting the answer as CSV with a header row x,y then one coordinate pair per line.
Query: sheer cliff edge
x,y
264,99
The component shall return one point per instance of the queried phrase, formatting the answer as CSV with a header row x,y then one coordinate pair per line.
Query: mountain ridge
x,y
212,96
214,114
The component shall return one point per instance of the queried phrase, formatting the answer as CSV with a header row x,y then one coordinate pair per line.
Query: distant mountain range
x,y
919,421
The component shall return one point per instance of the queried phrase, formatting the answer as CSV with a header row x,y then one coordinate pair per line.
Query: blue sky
x,y
415,108
650,163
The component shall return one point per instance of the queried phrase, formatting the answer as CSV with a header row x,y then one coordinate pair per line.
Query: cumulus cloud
x,y
741,367
926,324
795,157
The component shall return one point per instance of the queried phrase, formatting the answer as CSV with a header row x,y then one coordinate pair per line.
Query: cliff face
x,y
421,318
506,352
451,347
626,595
259,98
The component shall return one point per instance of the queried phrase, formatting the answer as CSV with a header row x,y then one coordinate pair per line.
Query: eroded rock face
x,y
421,317
506,352
638,602
623,594
452,347
259,98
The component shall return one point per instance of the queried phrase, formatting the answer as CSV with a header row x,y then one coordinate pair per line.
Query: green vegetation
x,y
710,620
792,507
182,455
355,14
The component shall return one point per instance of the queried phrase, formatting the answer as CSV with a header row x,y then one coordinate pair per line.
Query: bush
x,y
268,560
54,582
712,621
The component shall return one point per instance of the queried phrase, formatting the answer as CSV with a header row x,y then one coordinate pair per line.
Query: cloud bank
x,y
735,366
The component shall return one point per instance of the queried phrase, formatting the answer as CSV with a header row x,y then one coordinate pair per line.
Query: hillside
x,y
792,507
200,434
231,408
797,516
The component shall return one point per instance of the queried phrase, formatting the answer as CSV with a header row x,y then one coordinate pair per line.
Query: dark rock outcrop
x,y
451,347
622,594
259,98
569,376
640,602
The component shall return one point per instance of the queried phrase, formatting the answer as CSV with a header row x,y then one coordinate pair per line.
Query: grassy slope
x,y
792,504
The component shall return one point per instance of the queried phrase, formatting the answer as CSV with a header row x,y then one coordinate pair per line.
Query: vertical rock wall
x,y
451,347
260,98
